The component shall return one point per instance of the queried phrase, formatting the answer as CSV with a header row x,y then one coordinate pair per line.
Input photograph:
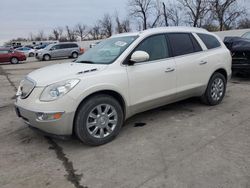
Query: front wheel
x,y
216,90
46,57
98,120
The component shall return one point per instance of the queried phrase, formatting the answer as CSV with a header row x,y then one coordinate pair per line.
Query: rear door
x,y
190,63
152,83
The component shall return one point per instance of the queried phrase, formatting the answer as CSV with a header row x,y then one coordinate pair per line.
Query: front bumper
x,y
39,57
241,67
29,108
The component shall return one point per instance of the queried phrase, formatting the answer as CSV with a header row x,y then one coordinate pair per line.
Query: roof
x,y
163,29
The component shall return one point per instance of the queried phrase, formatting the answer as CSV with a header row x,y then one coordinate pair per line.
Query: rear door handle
x,y
203,62
170,70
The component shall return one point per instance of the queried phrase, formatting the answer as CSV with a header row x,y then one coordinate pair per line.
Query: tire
x,y
14,60
31,54
74,55
216,90
46,57
88,120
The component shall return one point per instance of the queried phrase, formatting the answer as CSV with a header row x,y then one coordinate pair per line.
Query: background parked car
x,y
29,52
71,50
240,50
40,46
14,57
246,35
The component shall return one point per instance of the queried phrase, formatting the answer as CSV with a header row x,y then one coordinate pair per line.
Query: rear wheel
x,y
46,57
14,60
31,54
74,55
98,120
216,90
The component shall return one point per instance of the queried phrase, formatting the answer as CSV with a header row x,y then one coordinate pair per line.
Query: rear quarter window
x,y
209,40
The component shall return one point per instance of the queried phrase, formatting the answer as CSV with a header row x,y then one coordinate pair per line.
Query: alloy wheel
x,y
217,89
102,121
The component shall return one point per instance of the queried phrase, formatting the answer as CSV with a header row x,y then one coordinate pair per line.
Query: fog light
x,y
49,116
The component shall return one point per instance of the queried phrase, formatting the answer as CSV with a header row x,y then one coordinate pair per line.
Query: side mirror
x,y
139,56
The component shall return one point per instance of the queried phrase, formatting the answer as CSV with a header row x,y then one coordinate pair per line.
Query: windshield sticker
x,y
120,43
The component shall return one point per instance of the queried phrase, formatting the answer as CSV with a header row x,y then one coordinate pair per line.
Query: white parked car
x,y
93,96
29,52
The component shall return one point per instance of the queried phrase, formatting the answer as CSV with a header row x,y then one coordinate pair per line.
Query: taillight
x,y
82,50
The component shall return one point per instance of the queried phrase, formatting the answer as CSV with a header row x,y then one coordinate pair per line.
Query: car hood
x,y
63,71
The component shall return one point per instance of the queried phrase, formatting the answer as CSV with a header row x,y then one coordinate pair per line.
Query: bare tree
x,y
165,14
171,14
122,26
244,23
31,37
71,35
40,36
60,31
145,10
95,32
226,12
81,31
195,10
106,26
55,34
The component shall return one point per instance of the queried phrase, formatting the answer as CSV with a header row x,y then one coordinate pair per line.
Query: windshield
x,y
48,46
107,51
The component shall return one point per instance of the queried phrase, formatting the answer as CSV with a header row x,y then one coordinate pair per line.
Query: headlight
x,y
59,89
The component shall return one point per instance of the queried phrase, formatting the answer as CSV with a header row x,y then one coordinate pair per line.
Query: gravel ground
x,y
186,144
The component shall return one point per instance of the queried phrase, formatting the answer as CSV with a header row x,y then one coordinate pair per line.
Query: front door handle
x,y
170,70
203,62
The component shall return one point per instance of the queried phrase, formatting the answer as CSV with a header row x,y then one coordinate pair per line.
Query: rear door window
x,y
156,46
73,45
183,43
209,40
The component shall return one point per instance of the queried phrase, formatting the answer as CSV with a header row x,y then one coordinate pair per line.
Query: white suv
x,y
124,75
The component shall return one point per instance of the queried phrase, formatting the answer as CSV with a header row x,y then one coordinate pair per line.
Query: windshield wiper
x,y
88,62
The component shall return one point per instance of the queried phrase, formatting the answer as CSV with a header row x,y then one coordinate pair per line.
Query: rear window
x,y
209,40
183,43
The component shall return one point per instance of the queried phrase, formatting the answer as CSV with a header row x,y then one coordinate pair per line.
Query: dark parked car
x,y
240,50
39,47
8,55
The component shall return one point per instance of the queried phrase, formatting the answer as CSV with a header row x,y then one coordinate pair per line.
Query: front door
x,y
152,83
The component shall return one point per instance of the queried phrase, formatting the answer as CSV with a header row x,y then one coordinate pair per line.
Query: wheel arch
x,y
223,72
14,57
47,54
112,93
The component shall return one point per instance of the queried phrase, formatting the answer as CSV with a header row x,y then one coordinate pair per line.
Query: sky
x,y
18,18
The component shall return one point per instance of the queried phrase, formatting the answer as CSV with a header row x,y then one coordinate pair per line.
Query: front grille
x,y
25,88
